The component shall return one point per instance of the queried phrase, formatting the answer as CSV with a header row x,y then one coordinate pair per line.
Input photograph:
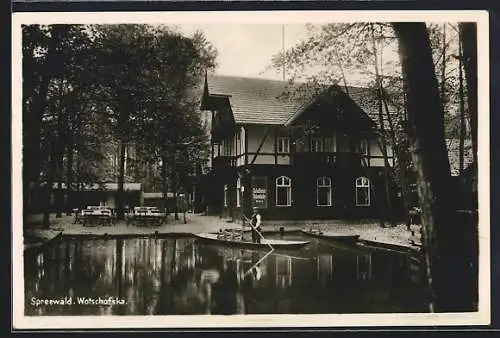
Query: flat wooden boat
x,y
330,235
275,243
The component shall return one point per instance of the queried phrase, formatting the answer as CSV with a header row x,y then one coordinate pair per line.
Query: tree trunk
x,y
78,181
174,185
30,127
60,193
443,70
120,214
32,156
147,171
69,175
429,153
462,109
468,37
48,187
32,151
61,141
164,182
46,209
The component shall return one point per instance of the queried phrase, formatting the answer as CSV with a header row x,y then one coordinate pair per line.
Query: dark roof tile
x,y
255,101
263,101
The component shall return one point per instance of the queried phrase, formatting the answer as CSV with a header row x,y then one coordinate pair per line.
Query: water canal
x,y
167,276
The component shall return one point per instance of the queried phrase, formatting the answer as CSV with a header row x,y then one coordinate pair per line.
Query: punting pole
x,y
258,262
261,236
284,255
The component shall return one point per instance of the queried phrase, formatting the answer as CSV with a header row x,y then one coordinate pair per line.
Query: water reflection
x,y
148,276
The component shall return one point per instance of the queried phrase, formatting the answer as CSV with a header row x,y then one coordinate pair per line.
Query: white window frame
x,y
238,192
242,141
319,145
238,144
225,196
283,145
324,182
333,140
363,182
364,145
284,182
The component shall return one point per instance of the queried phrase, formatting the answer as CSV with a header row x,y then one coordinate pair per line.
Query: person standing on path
x,y
255,221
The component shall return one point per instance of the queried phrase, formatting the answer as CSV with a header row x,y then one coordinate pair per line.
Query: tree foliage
x,y
366,54
87,88
425,90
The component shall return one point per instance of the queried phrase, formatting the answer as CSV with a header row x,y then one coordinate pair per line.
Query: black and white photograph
x,y
241,169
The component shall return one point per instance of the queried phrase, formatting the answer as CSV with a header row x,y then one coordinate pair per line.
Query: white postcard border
x,y
481,317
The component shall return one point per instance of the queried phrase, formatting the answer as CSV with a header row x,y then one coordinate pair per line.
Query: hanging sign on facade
x,y
259,192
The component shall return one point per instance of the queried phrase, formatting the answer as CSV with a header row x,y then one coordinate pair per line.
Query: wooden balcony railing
x,y
334,159
348,160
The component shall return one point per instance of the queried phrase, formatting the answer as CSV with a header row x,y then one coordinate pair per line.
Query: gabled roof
x,y
254,101
365,98
263,101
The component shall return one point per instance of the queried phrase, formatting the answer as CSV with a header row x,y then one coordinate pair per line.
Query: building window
x,y
283,145
283,191
238,192
363,147
225,195
323,192
242,140
330,144
362,192
317,144
238,143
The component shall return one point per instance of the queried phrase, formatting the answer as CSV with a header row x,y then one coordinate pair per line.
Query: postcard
x,y
212,170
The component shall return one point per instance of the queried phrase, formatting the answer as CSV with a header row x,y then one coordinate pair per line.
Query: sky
x,y
247,49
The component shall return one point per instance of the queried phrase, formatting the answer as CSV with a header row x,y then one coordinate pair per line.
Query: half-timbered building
x,y
311,156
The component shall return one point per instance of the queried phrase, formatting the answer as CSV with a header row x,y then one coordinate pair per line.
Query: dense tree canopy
x,y
88,87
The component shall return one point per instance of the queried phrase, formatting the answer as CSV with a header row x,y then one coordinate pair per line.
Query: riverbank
x,y
370,232
35,238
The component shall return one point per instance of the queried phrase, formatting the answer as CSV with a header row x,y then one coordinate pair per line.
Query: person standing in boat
x,y
255,221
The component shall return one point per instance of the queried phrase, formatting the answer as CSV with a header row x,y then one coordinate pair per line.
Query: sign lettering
x,y
259,192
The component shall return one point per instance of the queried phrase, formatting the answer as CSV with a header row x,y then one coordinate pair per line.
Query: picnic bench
x,y
146,217
94,215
